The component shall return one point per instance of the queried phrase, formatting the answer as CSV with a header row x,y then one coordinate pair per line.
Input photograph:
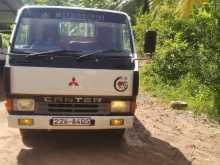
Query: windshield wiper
x,y
19,53
84,56
14,53
53,53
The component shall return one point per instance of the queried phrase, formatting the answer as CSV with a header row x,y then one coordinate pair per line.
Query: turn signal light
x,y
26,122
116,122
8,104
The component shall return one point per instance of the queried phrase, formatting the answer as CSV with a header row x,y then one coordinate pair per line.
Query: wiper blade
x,y
53,53
98,52
14,53
19,53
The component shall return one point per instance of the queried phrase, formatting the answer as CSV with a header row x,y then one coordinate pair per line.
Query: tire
x,y
118,133
29,137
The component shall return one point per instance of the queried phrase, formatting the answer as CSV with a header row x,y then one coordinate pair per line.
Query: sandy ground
x,y
159,137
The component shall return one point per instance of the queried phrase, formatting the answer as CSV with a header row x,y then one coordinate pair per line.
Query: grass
x,y
200,98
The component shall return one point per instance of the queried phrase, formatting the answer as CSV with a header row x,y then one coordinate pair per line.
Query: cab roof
x,y
74,8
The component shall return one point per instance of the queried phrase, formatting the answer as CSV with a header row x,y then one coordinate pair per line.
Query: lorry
x,y
70,68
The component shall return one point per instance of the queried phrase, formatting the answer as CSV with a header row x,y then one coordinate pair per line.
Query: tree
x,y
184,8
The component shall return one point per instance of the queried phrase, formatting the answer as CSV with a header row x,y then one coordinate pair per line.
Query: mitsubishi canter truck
x,y
71,68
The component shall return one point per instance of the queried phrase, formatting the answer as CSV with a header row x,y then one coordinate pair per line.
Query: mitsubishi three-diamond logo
x,y
73,82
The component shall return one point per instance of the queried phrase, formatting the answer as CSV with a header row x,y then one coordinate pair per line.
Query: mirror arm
x,y
143,59
140,59
4,53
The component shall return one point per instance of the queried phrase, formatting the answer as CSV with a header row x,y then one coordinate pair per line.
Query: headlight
x,y
120,106
24,104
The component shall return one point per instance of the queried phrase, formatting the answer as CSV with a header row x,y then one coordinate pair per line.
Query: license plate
x,y
76,121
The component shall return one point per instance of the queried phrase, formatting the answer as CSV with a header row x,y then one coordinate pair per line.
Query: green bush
x,y
5,40
187,63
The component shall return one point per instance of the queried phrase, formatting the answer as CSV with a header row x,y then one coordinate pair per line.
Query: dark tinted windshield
x,y
54,29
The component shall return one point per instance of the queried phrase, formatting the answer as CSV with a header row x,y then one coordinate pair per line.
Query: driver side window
x,y
22,35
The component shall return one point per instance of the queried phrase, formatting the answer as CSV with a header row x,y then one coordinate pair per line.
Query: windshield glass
x,y
76,30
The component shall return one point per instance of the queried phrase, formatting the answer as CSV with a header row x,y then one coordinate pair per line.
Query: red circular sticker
x,y
121,84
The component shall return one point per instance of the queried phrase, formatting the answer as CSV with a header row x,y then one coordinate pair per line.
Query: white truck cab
x,y
71,68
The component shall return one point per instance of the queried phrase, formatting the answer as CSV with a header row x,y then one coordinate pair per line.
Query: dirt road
x,y
159,137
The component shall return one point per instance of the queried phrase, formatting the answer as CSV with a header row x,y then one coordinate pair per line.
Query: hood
x,y
70,81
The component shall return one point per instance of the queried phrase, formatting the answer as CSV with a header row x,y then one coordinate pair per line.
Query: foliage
x,y
5,40
186,6
134,7
187,64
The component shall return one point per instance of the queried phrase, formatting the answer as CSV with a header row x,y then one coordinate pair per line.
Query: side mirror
x,y
150,41
1,42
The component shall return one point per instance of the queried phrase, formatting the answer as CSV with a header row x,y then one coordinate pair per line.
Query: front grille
x,y
73,108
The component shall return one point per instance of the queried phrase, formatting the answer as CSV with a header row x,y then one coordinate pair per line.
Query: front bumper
x,y
43,122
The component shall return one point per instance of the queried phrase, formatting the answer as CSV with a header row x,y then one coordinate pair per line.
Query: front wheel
x,y
29,137
118,132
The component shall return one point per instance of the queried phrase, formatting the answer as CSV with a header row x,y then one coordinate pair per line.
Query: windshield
x,y
60,30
